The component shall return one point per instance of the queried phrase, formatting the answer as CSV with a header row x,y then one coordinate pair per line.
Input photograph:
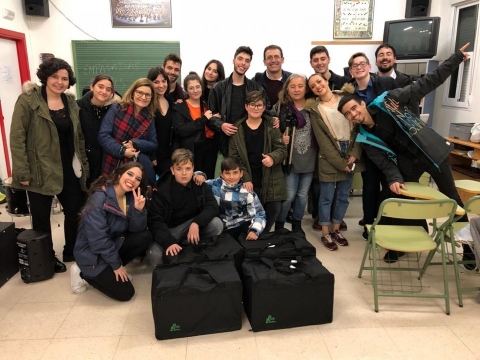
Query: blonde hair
x,y
127,98
181,156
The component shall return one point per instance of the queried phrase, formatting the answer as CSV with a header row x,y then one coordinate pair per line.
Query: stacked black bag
x,y
199,291
284,284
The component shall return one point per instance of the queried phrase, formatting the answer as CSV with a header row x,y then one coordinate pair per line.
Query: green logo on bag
x,y
175,327
270,320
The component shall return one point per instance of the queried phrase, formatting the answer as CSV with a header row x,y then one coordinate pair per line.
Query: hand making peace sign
x,y
139,199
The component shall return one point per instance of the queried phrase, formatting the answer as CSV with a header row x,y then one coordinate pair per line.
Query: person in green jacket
x,y
261,151
338,158
48,150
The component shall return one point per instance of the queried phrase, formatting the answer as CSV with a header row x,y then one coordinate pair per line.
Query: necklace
x,y
331,97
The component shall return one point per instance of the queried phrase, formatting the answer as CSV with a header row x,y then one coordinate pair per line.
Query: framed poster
x,y
144,13
353,19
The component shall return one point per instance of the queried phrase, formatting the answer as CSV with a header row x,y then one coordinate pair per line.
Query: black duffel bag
x,y
281,293
214,248
282,243
195,299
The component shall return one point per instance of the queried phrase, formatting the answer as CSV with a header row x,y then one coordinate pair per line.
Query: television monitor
x,y
414,38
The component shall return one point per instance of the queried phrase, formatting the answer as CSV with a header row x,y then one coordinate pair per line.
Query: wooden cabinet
x,y
462,163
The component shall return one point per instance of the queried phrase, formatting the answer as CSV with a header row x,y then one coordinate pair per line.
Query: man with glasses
x,y
368,86
404,155
227,97
274,77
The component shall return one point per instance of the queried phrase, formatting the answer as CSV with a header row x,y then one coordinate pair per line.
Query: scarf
x,y
126,126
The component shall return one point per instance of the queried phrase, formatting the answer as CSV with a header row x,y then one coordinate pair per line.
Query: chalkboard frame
x,y
86,69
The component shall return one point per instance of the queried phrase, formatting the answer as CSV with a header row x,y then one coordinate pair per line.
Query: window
x,y
459,85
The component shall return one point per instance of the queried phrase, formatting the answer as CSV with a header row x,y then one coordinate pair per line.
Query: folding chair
x,y
408,239
472,206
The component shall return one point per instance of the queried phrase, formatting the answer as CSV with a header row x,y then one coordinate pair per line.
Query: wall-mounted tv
x,y
414,38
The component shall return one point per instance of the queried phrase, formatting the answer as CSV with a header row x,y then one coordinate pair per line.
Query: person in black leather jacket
x,y
227,98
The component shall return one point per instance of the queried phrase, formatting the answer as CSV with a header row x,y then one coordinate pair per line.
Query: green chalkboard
x,y
124,61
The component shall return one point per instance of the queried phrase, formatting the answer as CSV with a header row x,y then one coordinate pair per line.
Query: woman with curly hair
x,y
48,150
128,130
112,232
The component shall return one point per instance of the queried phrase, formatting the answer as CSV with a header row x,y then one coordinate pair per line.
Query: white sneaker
x,y
77,284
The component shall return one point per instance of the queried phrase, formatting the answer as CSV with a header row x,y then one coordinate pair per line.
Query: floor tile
x,y
34,320
359,344
433,342
96,318
101,348
140,319
147,347
23,349
229,345
468,335
298,343
52,290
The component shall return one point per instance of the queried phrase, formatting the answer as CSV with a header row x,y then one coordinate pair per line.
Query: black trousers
x,y
235,232
205,158
135,244
72,199
371,190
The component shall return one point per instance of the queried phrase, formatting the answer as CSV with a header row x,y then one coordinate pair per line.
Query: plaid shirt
x,y
237,205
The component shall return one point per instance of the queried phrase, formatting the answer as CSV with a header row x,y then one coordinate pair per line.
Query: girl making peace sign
x,y
112,232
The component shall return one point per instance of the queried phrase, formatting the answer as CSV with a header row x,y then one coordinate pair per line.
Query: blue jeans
x,y
297,192
327,196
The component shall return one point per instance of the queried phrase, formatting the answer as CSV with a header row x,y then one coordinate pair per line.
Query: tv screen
x,y
415,38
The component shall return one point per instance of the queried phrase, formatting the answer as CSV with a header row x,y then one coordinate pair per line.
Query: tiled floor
x,y
47,321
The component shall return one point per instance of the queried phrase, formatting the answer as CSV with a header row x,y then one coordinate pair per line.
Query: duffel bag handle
x,y
200,246
297,243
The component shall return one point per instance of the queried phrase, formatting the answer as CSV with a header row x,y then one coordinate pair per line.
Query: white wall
x,y
445,115
208,29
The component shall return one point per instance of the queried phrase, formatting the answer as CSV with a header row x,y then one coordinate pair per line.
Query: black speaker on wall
x,y
37,8
416,8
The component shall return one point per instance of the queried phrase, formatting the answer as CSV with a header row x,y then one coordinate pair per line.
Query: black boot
x,y
279,225
297,225
59,267
392,256
468,255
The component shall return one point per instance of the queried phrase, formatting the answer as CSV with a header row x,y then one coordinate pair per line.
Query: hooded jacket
x,y
160,209
102,229
403,132
90,118
273,183
35,144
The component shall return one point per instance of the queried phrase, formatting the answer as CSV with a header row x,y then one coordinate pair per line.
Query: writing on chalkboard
x,y
95,69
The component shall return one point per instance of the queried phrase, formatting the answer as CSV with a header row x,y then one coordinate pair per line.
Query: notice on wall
x,y
353,19
6,76
354,15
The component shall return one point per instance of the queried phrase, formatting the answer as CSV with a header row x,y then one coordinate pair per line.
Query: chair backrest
x,y
473,205
417,209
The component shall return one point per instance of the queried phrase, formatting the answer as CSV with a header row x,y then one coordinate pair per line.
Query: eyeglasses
x,y
361,64
193,88
256,106
273,57
142,94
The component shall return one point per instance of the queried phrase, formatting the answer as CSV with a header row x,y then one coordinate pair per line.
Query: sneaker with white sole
x,y
77,284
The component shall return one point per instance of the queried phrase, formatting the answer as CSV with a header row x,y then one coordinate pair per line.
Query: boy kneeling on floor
x,y
240,209
181,210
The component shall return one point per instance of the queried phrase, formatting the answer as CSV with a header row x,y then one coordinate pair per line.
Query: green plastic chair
x,y
408,239
472,206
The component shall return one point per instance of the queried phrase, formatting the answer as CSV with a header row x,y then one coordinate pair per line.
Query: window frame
x,y
455,102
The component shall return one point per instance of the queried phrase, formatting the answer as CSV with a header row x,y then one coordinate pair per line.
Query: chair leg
x,y
455,269
427,262
445,275
374,276
367,249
